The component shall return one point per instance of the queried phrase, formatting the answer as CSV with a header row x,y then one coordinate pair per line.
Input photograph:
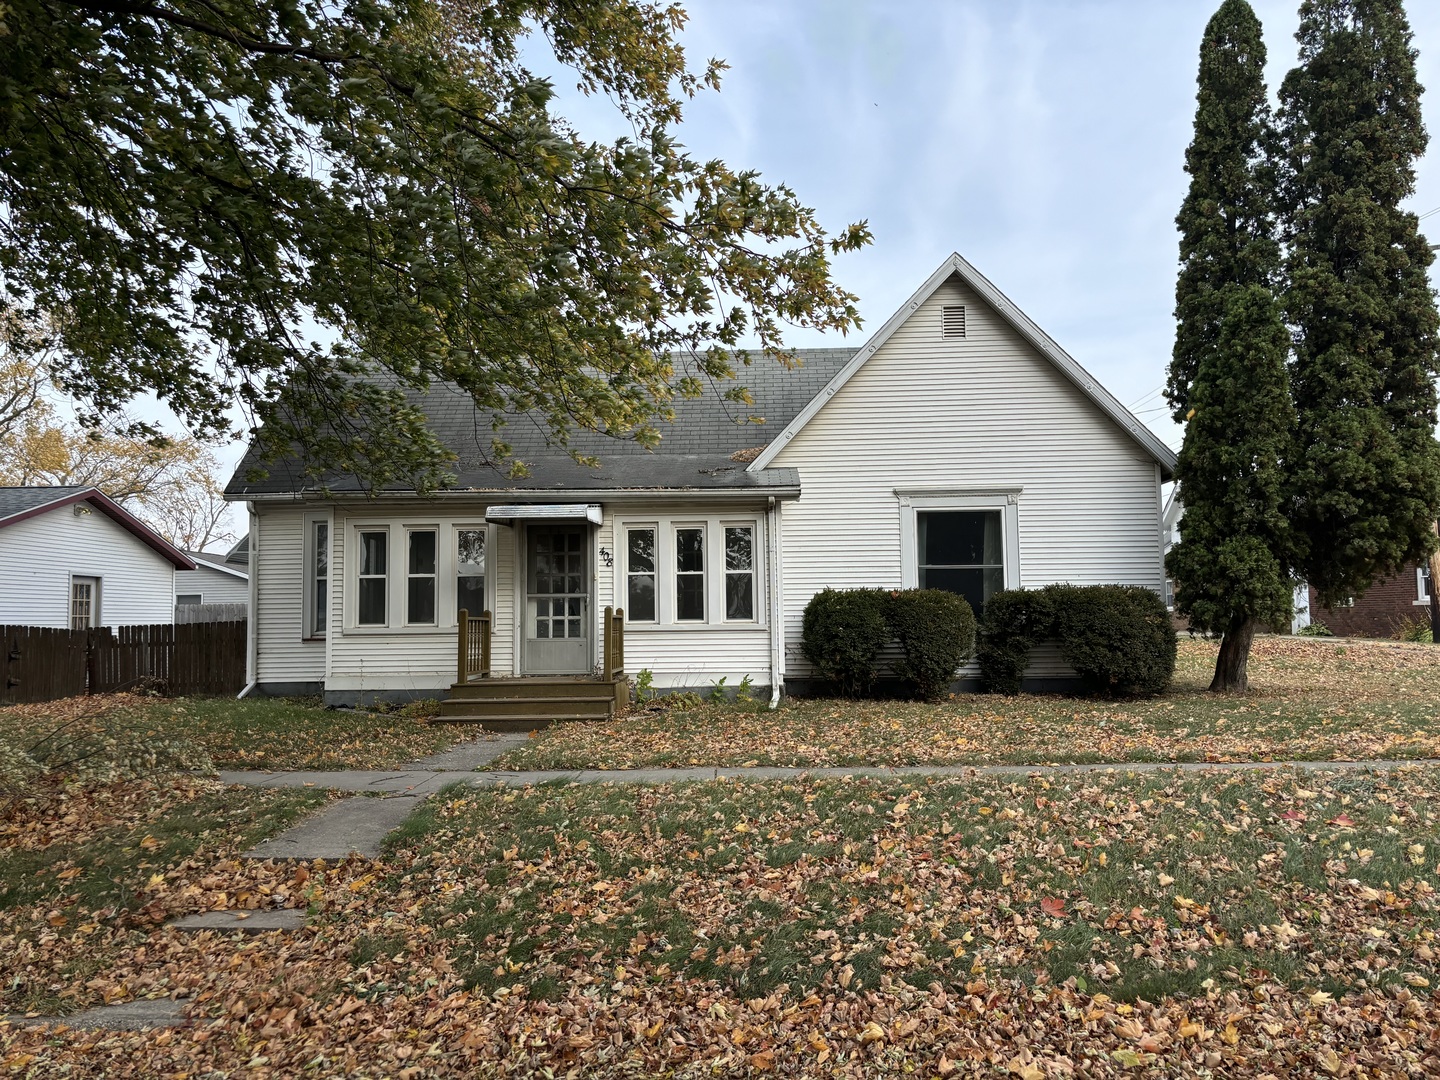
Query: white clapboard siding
x,y
983,411
38,557
216,586
283,656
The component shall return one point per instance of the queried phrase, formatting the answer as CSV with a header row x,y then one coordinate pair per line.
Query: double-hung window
x,y
317,591
1422,583
739,572
420,577
372,580
470,571
960,541
690,573
640,573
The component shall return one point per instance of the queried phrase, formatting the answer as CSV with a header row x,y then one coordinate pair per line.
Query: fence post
x,y
461,669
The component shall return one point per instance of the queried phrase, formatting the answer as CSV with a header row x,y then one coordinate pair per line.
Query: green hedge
x,y
844,631
1118,638
936,632
842,635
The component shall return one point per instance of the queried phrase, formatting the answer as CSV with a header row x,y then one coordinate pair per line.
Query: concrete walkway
x,y
425,782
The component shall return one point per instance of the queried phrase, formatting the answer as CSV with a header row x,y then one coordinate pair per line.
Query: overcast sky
x,y
1042,140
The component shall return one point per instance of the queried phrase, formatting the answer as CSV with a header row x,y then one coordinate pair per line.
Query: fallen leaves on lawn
x,y
1311,699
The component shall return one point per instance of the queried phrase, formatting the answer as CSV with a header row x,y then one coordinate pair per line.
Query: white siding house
x,y
70,556
959,448
213,581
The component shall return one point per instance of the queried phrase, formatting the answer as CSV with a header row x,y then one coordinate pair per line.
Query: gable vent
x,y
952,322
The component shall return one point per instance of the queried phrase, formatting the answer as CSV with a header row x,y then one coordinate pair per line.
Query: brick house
x,y
1384,607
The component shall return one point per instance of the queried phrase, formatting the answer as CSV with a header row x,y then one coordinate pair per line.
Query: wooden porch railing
x,y
612,663
474,653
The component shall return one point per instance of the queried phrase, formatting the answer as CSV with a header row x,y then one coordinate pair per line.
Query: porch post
x,y
461,675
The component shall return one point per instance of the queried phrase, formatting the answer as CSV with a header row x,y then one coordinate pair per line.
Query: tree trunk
x,y
1230,666
1435,594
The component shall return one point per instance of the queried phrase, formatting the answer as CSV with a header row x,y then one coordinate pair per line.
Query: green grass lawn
x,y
1310,699
252,733
1143,886
86,872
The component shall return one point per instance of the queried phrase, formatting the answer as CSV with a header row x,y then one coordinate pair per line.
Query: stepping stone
x,y
353,826
140,1015
241,922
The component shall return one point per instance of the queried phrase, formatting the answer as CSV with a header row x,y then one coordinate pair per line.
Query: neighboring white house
x,y
959,448
70,556
218,578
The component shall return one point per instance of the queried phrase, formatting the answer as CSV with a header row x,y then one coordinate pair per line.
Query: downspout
x,y
252,640
777,603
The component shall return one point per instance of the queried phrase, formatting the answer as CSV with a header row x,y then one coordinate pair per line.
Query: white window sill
x,y
671,628
374,631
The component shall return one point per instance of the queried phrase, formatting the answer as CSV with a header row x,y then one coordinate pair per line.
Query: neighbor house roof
x,y
695,450
1063,362
216,561
21,503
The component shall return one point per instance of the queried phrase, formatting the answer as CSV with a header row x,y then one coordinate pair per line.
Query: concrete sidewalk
x,y
421,781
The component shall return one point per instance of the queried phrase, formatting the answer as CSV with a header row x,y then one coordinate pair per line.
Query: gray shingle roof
x,y
16,500
694,450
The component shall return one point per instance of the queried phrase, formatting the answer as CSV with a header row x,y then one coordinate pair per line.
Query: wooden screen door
x,y
557,603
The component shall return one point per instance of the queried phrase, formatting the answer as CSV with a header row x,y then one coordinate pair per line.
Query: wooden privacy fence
x,y
42,664
190,613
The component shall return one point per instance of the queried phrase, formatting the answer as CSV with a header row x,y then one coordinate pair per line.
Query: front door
x,y
557,602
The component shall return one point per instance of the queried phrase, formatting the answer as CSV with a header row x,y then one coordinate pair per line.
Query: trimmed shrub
x,y
936,633
1015,621
1314,628
1118,638
842,635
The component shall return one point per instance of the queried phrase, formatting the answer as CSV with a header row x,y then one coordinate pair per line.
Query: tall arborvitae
x,y
1228,383
1366,474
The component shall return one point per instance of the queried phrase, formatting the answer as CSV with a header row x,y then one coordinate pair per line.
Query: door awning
x,y
508,515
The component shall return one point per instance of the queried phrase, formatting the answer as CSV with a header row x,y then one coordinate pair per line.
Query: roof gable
x,y
1083,381
22,503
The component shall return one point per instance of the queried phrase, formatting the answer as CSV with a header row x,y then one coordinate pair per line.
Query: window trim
x,y
1422,594
308,619
665,563
387,577
912,501
452,576
623,584
192,603
434,576
725,572
674,573
396,600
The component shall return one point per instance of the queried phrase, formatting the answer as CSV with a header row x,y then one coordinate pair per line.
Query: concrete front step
x,y
520,723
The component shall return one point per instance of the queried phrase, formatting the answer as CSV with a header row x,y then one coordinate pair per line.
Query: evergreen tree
x,y
1228,382
1366,476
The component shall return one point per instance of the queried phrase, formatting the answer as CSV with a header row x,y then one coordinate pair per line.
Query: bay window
x,y
684,571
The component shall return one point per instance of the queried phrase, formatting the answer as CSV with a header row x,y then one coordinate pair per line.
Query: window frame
x,y
179,602
95,582
309,617
674,573
725,572
452,577
914,501
665,526
388,577
433,577
1422,593
623,589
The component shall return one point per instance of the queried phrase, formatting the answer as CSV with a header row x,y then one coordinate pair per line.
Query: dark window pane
x,y
740,549
321,597
372,552
189,599
642,551
689,550
470,594
976,585
422,552
372,602
470,551
421,600
322,548
739,596
960,538
690,597
640,605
